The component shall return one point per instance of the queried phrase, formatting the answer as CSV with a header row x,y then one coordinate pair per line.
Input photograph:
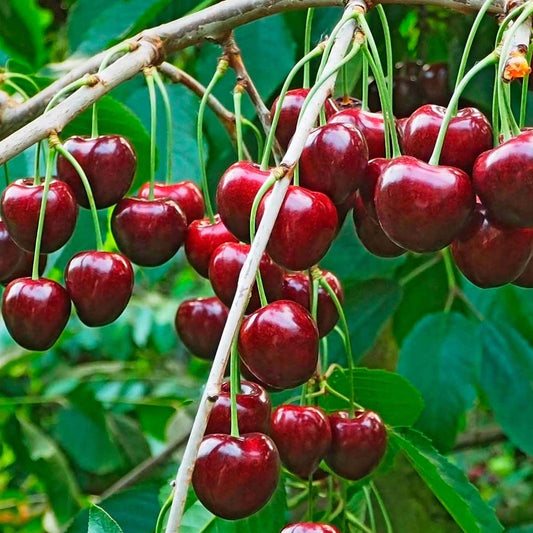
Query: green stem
x,y
370,508
450,275
325,352
495,109
257,200
168,115
6,174
506,87
501,111
256,132
234,388
17,88
153,130
310,498
525,85
237,101
18,75
314,296
86,80
37,164
507,20
163,513
364,85
383,509
345,95
419,270
307,45
388,51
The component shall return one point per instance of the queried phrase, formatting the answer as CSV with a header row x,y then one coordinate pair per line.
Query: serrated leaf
x,y
101,522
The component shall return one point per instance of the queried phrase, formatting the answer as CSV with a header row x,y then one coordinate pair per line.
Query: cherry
x,y
199,323
186,194
10,253
304,230
302,436
421,207
308,527
490,254
468,135
100,286
253,410
148,232
35,312
202,239
334,160
24,267
109,162
367,188
279,344
21,204
526,278
503,179
357,444
340,103
434,82
296,288
234,477
235,195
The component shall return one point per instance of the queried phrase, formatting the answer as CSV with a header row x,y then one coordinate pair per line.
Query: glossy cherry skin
x,y
35,312
343,210
234,477
148,232
357,444
24,267
199,323
100,286
10,254
21,204
333,161
490,254
420,207
235,195
186,194
254,409
296,288
526,278
308,527
202,239
367,188
109,162
302,436
503,179
469,134
304,230
279,344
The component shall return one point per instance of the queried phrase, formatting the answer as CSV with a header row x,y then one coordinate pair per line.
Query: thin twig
x,y
478,438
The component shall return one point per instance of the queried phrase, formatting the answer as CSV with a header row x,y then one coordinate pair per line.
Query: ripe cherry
x,y
109,162
434,81
100,286
308,527
234,477
357,444
25,266
302,436
343,210
367,188
279,344
10,254
526,278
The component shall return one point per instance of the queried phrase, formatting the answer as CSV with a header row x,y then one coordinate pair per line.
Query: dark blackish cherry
x,y
308,527
10,253
246,374
35,312
109,163
503,179
469,134
100,286
302,436
490,254
186,194
434,82
235,195
202,239
226,265
526,278
296,288
371,235
304,230
254,409
357,444
148,232
343,210
367,188
421,207
234,477
21,204
24,267
199,323
279,344
334,161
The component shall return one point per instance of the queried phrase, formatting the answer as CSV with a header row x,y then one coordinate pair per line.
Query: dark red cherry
x,y
35,312
234,477
10,253
367,188
304,230
490,254
526,278
503,179
333,161
279,344
235,195
246,374
421,207
199,323
253,410
469,134
433,79
224,269
357,444
109,163
148,232
296,288
21,204
202,239
343,210
186,194
100,286
400,128
308,527
24,267
302,436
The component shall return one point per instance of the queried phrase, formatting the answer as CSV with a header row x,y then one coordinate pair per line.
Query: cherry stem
x,y
37,164
307,46
153,129
525,86
420,270
82,82
87,186
6,174
324,351
310,498
450,275
17,75
168,116
388,51
221,69
256,132
507,20
506,88
501,111
364,84
495,108
488,60
370,508
383,509
234,388
163,513
237,104
17,88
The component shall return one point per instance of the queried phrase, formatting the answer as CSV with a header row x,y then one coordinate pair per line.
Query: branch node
x,y
212,398
156,43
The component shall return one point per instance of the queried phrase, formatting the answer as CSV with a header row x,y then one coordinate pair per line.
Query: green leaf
x,y
507,381
127,433
448,483
197,519
101,522
387,393
441,357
